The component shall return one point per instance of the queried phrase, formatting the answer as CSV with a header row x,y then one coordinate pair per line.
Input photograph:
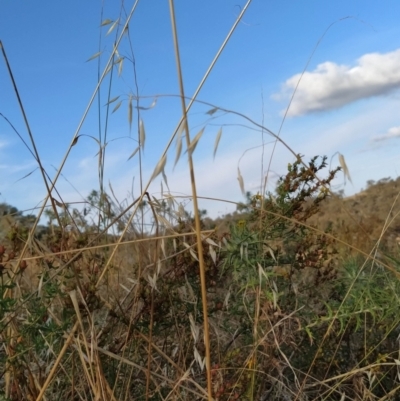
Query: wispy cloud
x,y
331,85
393,132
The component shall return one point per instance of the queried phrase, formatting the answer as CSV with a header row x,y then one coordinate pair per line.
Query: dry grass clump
x,y
143,300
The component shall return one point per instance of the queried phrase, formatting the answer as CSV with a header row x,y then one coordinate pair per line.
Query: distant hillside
x,y
366,217
359,220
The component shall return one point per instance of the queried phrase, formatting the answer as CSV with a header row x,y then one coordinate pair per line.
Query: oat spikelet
x,y
211,242
217,139
194,328
163,248
58,203
117,106
130,111
133,153
213,254
201,361
241,182
178,149
120,66
160,167
147,108
112,100
108,69
212,111
75,141
164,221
94,56
179,141
165,178
116,51
112,27
142,134
106,22
194,142
344,167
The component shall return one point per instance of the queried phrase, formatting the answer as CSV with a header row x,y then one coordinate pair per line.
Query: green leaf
x,y
310,335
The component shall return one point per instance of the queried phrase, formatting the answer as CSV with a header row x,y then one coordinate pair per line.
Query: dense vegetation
x,y
292,297
293,312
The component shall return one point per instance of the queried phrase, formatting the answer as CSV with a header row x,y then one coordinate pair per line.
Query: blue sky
x,y
347,101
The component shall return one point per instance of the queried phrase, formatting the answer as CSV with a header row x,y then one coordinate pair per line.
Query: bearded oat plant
x,y
142,299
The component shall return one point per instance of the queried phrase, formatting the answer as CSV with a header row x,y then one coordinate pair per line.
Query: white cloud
x,y
331,86
393,132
